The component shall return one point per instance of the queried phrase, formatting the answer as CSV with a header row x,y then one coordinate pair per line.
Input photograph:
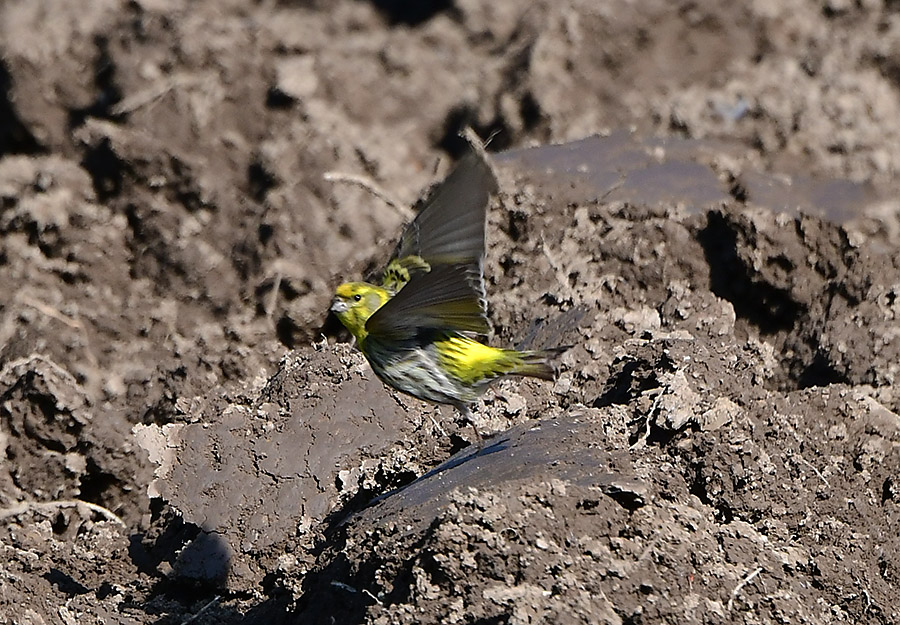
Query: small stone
x,y
723,411
296,77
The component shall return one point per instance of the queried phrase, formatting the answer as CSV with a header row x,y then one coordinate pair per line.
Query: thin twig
x,y
49,311
53,313
202,610
273,301
642,441
25,506
155,92
437,425
343,586
372,187
368,592
8,367
740,586
613,187
471,137
813,467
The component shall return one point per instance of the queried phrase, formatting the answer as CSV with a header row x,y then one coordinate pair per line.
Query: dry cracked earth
x,y
701,200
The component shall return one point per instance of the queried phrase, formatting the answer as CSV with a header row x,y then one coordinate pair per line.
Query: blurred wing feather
x,y
450,229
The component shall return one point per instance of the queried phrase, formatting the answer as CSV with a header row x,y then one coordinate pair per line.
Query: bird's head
x,y
355,302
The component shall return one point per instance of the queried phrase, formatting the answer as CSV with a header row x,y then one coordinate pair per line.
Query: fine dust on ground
x,y
189,437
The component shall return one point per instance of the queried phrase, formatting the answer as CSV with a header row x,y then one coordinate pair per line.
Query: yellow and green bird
x,y
420,328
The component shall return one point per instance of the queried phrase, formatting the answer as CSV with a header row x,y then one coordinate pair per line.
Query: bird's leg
x,y
467,417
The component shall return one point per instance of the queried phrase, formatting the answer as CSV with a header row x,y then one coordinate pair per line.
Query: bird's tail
x,y
537,363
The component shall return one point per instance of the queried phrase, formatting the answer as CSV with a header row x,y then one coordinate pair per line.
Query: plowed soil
x,y
700,200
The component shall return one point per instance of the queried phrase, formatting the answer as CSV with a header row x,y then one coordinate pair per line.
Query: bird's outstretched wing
x,y
450,229
442,299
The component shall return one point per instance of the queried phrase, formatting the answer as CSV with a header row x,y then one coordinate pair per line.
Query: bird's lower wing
x,y
443,299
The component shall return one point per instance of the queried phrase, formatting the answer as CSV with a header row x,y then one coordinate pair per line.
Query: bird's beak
x,y
338,306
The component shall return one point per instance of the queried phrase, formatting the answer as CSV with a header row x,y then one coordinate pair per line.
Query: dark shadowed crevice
x,y
737,189
108,92
730,245
99,486
697,485
530,110
497,132
332,328
619,387
339,591
820,372
246,258
330,596
169,535
411,12
65,583
15,138
631,378
106,169
457,120
769,308
287,330
278,100
259,181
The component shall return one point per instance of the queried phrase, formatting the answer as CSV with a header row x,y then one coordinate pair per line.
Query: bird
x,y
422,326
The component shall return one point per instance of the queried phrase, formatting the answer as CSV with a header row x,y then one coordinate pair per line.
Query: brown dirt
x,y
190,438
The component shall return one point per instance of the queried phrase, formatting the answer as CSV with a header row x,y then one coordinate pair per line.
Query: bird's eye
x,y
357,297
